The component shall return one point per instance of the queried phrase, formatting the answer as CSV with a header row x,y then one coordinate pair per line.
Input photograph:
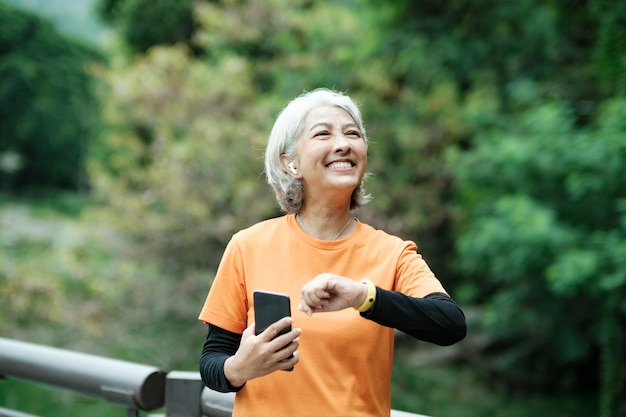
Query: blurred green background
x,y
131,142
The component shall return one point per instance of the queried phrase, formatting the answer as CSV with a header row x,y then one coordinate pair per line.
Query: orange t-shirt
x,y
345,359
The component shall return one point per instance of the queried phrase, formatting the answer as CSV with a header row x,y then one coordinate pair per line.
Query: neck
x,y
329,228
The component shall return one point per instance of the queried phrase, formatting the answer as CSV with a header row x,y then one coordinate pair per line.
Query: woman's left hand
x,y
330,292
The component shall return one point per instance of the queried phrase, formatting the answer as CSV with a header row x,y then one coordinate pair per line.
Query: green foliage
x,y
427,388
505,42
48,114
458,31
69,284
73,18
544,239
146,23
610,53
181,161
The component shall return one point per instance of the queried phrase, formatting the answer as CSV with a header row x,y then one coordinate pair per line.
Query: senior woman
x,y
365,282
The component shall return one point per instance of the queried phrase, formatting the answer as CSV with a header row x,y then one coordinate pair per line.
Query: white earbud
x,y
292,167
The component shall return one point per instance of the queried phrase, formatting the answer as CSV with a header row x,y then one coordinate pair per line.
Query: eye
x,y
353,133
321,133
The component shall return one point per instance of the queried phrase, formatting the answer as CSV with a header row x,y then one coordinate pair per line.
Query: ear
x,y
289,165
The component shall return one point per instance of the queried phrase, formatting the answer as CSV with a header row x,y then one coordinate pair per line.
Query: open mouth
x,y
340,165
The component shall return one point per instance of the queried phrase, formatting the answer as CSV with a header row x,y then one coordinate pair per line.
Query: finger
x,y
316,296
307,300
321,293
310,306
273,330
305,308
312,298
285,352
281,342
288,364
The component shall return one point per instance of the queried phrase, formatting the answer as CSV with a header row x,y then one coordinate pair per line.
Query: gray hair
x,y
284,136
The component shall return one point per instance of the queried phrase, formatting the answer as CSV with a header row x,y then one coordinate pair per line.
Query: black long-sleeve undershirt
x,y
435,318
220,344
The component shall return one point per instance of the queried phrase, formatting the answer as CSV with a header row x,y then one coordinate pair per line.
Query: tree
x,y
48,113
543,243
146,23
181,158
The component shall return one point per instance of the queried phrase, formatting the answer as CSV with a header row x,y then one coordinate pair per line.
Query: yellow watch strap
x,y
371,296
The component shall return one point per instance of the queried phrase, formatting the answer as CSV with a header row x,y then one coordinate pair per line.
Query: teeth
x,y
340,165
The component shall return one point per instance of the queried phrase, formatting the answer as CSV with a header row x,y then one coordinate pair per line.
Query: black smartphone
x,y
269,307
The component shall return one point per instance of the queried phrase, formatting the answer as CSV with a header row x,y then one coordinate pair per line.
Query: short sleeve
x,y
226,305
413,275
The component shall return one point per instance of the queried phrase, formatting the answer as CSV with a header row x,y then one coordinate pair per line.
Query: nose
x,y
340,143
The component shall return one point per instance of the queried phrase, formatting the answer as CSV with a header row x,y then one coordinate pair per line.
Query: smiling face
x,y
331,154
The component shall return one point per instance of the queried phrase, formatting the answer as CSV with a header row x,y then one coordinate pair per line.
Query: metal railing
x,y
134,386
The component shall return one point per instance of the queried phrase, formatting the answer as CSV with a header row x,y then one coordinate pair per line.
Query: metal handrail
x,y
141,387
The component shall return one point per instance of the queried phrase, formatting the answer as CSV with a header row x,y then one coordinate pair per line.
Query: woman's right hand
x,y
259,355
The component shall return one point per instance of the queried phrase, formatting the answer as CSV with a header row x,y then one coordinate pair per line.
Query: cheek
x,y
363,159
362,152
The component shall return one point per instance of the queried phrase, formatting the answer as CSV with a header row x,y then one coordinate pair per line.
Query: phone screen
x,y
269,307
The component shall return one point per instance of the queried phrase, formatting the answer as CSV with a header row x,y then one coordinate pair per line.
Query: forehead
x,y
327,114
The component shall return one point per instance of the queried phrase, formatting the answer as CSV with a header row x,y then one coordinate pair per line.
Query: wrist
x,y
232,374
370,296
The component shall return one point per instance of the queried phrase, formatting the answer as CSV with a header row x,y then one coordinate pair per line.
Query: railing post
x,y
217,404
182,394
